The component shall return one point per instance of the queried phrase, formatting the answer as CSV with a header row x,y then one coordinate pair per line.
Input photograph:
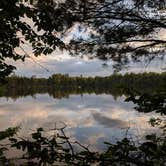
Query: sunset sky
x,y
62,62
44,66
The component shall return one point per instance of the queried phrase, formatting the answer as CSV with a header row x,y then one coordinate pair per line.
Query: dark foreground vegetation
x,y
54,147
129,36
119,30
58,149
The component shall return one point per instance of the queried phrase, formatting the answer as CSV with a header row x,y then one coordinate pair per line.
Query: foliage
x,y
53,147
58,149
16,29
148,103
8,133
113,28
150,152
110,27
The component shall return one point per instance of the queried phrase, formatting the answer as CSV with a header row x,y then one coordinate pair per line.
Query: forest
x,y
125,32
142,82
147,90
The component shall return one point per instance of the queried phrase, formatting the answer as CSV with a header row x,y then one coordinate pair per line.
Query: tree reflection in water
x,y
58,149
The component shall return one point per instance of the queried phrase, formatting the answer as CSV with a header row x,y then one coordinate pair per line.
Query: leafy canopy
x,y
18,20
116,29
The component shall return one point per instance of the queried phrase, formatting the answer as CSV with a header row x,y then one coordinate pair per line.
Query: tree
x,y
116,29
119,29
20,22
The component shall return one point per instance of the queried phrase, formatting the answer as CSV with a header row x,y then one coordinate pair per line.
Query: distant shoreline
x,y
59,86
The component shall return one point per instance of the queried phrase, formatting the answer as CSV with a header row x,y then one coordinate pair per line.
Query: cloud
x,y
109,122
58,62
88,118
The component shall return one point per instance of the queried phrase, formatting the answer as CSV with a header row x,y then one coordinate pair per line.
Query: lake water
x,y
91,119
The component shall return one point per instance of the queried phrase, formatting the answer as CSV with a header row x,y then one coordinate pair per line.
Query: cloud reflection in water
x,y
91,119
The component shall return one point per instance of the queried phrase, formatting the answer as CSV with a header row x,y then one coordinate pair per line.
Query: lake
x,y
90,118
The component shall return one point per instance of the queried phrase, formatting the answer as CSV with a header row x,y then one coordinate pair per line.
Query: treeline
x,y
59,85
144,80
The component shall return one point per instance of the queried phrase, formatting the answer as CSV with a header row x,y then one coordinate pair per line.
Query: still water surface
x,y
91,119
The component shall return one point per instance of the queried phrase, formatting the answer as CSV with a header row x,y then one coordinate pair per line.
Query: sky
x,y
45,66
62,62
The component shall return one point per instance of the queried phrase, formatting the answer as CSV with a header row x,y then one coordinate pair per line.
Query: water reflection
x,y
109,122
91,119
